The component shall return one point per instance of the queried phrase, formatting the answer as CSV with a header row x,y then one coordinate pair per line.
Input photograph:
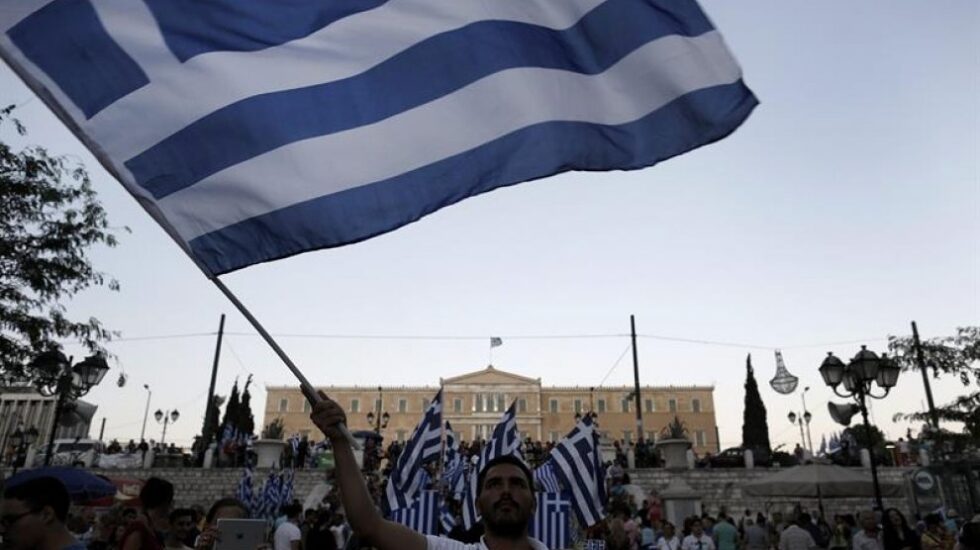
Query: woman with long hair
x,y
897,533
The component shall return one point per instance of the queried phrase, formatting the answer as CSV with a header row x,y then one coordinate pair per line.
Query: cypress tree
x,y
755,428
246,422
232,410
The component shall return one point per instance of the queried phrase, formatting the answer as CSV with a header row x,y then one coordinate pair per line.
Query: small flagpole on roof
x,y
308,390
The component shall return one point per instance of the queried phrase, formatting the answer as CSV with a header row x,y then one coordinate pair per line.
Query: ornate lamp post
x,y
857,378
804,418
379,420
55,376
165,418
22,440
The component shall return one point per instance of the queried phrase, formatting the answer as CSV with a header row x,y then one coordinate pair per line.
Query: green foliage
x,y
755,427
49,218
273,430
675,430
957,356
246,421
233,408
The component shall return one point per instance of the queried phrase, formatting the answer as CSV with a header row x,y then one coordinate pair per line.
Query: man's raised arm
x,y
361,512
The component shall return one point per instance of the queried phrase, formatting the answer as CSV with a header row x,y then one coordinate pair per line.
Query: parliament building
x,y
474,402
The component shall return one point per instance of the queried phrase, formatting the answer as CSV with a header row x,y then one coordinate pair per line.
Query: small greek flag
x,y
496,341
422,514
505,440
545,478
551,521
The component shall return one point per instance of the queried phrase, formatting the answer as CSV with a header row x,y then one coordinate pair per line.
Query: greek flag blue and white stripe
x,y
552,521
408,477
578,465
244,490
453,466
447,520
545,478
254,130
422,514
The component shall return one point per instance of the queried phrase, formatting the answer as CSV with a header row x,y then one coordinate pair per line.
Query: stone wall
x,y
718,487
723,488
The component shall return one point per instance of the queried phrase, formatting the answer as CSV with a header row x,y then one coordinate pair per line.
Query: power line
x,y
616,364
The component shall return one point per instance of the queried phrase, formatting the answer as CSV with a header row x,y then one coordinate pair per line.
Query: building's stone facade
x,y
474,402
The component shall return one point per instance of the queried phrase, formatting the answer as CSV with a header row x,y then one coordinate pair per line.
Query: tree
x,y
246,422
755,428
49,218
958,356
232,410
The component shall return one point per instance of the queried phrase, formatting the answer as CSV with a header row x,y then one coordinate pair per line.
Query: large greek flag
x,y
408,477
254,130
578,464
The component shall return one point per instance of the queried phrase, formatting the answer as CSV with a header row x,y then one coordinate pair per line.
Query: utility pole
x,y
102,429
921,362
636,382
209,409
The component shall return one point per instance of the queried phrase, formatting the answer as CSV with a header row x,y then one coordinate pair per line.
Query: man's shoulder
x,y
434,542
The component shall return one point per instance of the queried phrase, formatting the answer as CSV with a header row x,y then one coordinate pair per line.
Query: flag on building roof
x,y
552,520
408,477
253,131
421,514
496,341
578,464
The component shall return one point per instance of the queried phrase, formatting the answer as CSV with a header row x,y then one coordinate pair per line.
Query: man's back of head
x,y
33,514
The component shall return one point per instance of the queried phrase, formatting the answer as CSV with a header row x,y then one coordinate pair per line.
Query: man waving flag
x,y
253,131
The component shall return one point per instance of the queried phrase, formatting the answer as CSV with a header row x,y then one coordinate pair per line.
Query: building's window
x,y
552,436
457,405
306,406
402,405
500,403
696,405
604,435
672,405
699,438
283,405
652,437
478,403
578,405
401,435
553,405
649,406
626,404
601,406
627,435
425,404
522,405
355,405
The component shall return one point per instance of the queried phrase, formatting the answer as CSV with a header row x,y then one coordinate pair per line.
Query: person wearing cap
x,y
33,515
505,499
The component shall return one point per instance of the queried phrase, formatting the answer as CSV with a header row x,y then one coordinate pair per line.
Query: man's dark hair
x,y
803,519
292,510
504,459
156,493
181,512
933,519
224,503
40,492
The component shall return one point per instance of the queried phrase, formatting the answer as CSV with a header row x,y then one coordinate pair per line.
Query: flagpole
x,y
308,390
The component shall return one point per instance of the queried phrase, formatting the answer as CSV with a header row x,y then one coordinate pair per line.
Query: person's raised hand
x,y
329,416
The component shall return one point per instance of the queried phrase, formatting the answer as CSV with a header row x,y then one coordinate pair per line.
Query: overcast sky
x,y
846,206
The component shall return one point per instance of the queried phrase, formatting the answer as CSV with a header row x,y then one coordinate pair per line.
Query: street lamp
x,y
55,375
22,440
379,420
858,378
804,418
146,411
165,418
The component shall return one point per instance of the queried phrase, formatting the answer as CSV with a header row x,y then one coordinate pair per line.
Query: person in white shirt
x,y
505,498
868,538
669,540
697,540
288,535
795,537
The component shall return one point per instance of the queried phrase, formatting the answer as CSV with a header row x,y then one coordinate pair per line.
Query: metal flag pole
x,y
308,390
